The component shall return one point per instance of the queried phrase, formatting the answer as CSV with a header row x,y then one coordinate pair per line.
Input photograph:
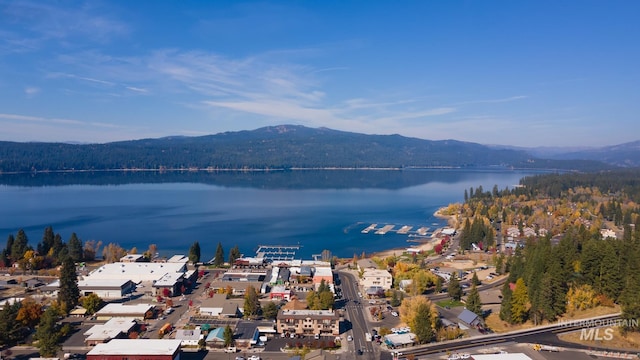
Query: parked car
x,y
349,338
254,357
394,313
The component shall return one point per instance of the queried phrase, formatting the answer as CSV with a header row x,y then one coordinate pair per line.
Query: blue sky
x,y
524,73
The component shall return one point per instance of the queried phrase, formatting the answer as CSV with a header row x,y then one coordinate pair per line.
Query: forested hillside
x,y
584,248
280,147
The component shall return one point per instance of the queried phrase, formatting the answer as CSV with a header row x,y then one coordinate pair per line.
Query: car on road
x,y
360,352
349,338
394,313
254,357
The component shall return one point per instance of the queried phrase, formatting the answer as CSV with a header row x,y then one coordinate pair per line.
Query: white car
x,y
349,338
394,313
254,357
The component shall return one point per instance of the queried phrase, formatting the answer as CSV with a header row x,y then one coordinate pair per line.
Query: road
x,y
546,335
355,313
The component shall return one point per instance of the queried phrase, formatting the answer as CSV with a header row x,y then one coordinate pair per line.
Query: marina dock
x,y
421,232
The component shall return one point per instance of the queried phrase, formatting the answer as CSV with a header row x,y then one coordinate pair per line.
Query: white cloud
x,y
31,91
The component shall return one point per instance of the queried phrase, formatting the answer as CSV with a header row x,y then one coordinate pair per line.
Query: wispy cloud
x,y
31,91
18,117
494,101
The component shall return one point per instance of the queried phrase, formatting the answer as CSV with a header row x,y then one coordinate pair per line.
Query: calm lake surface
x,y
315,209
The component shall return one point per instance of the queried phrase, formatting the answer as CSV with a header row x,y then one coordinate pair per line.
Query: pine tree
x,y
69,294
75,248
474,303
19,246
519,302
438,285
454,289
505,305
270,310
219,259
474,280
234,254
194,252
228,336
47,241
48,334
10,328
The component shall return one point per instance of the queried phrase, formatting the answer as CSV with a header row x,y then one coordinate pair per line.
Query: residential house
x,y
375,277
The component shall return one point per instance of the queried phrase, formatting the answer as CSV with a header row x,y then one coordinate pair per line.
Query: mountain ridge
x,y
274,147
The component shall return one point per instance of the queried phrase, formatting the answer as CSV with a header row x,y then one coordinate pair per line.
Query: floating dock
x,y
405,229
369,228
277,252
385,229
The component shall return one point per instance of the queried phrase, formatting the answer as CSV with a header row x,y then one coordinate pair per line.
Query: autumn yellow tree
x,y
30,312
412,308
581,298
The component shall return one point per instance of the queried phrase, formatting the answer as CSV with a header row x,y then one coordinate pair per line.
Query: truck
x,y
165,329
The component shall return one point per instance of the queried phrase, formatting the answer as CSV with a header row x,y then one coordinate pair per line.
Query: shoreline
x,y
425,246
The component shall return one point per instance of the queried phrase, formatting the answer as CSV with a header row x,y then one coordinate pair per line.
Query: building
x,y
115,328
468,318
395,341
323,273
189,337
215,338
132,258
213,306
106,289
608,233
136,311
136,349
280,292
308,322
375,277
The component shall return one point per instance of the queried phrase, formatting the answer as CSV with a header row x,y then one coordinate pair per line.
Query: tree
x,y
69,294
228,336
395,299
422,324
75,248
92,303
48,334
234,254
438,285
91,249
474,303
29,312
454,288
19,246
194,252
219,259
474,280
505,305
151,252
47,241
270,310
519,302
251,303
113,252
10,328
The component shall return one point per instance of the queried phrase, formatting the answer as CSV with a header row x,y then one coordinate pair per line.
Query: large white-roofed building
x,y
136,349
114,310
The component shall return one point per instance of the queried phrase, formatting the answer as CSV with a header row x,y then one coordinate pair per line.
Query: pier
x,y
277,252
421,232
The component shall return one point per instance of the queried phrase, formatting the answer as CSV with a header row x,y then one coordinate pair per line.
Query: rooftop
x,y
137,347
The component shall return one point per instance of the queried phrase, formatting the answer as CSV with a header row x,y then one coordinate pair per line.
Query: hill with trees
x,y
275,147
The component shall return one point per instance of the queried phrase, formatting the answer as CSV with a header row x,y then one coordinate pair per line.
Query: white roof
x,y
137,347
510,356
131,257
135,271
110,329
133,309
376,272
178,259
168,279
323,271
308,312
401,339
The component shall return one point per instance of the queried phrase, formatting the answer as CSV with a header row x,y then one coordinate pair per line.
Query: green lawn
x,y
449,303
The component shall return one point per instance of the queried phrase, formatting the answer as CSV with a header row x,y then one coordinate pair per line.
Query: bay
x,y
314,209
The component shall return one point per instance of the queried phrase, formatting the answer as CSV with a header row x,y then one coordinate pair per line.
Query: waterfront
x,y
317,210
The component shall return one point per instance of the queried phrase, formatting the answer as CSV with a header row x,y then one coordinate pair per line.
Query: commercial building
x,y
136,311
308,322
115,328
376,277
136,349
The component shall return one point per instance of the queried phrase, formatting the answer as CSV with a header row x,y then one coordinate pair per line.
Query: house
x,y
189,337
468,318
375,277
608,233
374,292
367,263
246,334
405,284
308,322
136,349
132,258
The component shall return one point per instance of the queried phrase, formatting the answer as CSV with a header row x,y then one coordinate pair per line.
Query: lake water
x,y
315,209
